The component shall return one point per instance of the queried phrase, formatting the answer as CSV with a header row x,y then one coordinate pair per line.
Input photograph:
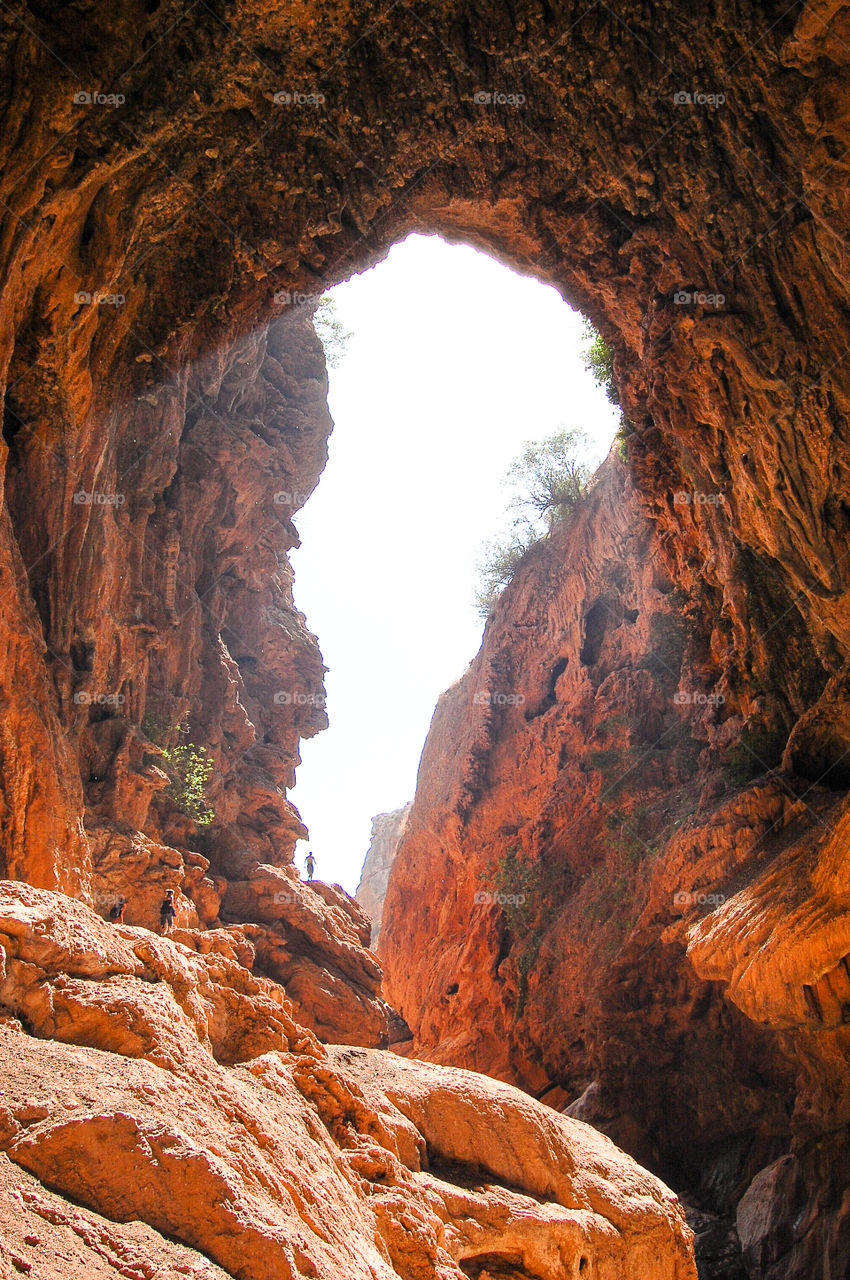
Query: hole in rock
x,y
11,424
551,696
595,626
454,362
507,1266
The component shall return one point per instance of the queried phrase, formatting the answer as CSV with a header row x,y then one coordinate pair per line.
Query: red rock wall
x,y
202,203
592,900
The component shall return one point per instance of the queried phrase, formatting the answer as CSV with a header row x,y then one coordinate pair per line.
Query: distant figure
x,y
167,914
116,911
310,864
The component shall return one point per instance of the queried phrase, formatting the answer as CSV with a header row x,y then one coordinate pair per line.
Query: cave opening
x,y
453,362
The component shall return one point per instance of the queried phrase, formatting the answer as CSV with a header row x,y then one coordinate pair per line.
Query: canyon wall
x,y
177,189
387,830
610,892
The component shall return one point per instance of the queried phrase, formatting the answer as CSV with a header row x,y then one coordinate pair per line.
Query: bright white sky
x,y
454,362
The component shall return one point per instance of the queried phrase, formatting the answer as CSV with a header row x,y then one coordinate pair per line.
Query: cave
x,y
649,923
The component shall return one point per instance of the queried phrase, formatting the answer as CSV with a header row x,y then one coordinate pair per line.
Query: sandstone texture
x,y
605,894
387,830
178,187
162,1114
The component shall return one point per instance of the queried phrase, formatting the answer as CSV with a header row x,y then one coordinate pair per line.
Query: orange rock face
x,y
163,1108
177,188
591,900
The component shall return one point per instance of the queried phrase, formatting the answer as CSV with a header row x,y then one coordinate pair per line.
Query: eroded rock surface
x,y
175,184
160,1109
594,897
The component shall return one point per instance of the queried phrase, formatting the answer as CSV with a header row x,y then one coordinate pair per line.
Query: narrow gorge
x,y
612,986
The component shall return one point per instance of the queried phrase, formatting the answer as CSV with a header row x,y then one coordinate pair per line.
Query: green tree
x,y
498,565
331,332
598,360
189,768
548,480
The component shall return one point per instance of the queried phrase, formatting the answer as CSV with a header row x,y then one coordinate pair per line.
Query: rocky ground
x,y
162,1114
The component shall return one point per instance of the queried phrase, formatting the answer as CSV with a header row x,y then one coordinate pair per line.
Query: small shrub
x,y
525,963
157,728
331,332
598,360
605,759
621,439
519,881
189,769
548,480
759,750
608,896
501,559
188,766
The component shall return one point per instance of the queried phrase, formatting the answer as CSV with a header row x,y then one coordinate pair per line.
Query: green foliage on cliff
x,y
598,360
331,332
188,767
548,479
758,751
501,558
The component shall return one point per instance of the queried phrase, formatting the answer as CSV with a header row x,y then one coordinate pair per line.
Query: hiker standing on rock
x,y
167,914
310,864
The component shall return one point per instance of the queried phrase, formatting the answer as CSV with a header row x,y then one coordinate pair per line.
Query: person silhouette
x,y
310,864
167,914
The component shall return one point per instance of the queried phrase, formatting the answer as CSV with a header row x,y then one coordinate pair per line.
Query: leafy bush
x,y
498,565
605,759
548,480
188,766
189,769
331,332
621,439
598,360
